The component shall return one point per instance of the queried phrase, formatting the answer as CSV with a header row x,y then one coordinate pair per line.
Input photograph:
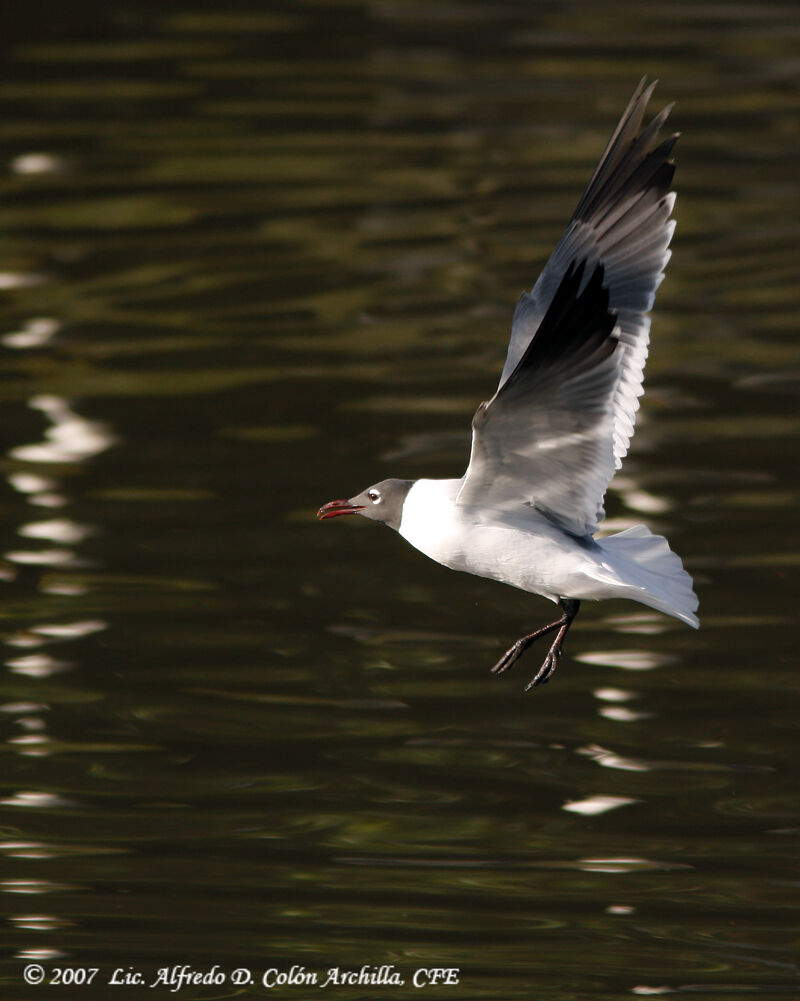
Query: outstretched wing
x,y
622,224
544,439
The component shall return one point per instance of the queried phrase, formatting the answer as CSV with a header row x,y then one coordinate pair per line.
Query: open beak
x,y
336,507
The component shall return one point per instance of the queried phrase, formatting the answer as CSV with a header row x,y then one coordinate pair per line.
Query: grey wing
x,y
622,222
545,439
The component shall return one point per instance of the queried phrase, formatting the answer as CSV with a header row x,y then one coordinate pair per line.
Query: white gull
x,y
547,444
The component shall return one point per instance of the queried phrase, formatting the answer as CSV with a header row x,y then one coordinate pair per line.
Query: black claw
x,y
545,672
509,657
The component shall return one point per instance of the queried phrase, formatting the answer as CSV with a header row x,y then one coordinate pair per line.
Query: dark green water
x,y
257,256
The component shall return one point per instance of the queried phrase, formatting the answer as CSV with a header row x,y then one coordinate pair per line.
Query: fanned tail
x,y
651,571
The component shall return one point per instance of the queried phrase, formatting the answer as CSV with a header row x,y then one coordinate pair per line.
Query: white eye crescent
x,y
374,496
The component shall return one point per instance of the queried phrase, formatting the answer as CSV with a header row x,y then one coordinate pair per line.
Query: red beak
x,y
336,507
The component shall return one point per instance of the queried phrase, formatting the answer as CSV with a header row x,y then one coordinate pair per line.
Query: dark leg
x,y
570,607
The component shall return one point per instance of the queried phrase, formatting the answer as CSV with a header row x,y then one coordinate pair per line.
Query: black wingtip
x,y
632,157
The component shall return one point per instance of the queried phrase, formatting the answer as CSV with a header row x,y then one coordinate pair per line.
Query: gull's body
x,y
547,444
534,555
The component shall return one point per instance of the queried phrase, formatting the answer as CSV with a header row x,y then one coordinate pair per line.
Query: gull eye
x,y
374,496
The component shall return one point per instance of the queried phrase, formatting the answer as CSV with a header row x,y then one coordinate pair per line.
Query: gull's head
x,y
381,502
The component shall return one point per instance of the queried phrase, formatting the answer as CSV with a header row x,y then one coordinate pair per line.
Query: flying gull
x,y
547,444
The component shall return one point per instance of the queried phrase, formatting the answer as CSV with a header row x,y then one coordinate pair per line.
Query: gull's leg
x,y
542,676
514,652
570,607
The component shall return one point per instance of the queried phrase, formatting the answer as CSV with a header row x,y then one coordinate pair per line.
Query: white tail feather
x,y
645,564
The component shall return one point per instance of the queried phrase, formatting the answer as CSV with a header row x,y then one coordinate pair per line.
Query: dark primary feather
x,y
628,161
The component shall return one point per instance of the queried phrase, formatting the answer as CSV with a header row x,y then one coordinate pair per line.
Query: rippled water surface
x,y
256,256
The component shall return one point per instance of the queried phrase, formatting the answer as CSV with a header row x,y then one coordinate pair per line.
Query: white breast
x,y
431,523
532,556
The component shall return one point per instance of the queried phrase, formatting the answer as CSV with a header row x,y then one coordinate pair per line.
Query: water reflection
x,y
34,665
609,759
41,955
627,660
593,806
35,333
69,441
70,437
37,163
623,715
37,800
10,280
